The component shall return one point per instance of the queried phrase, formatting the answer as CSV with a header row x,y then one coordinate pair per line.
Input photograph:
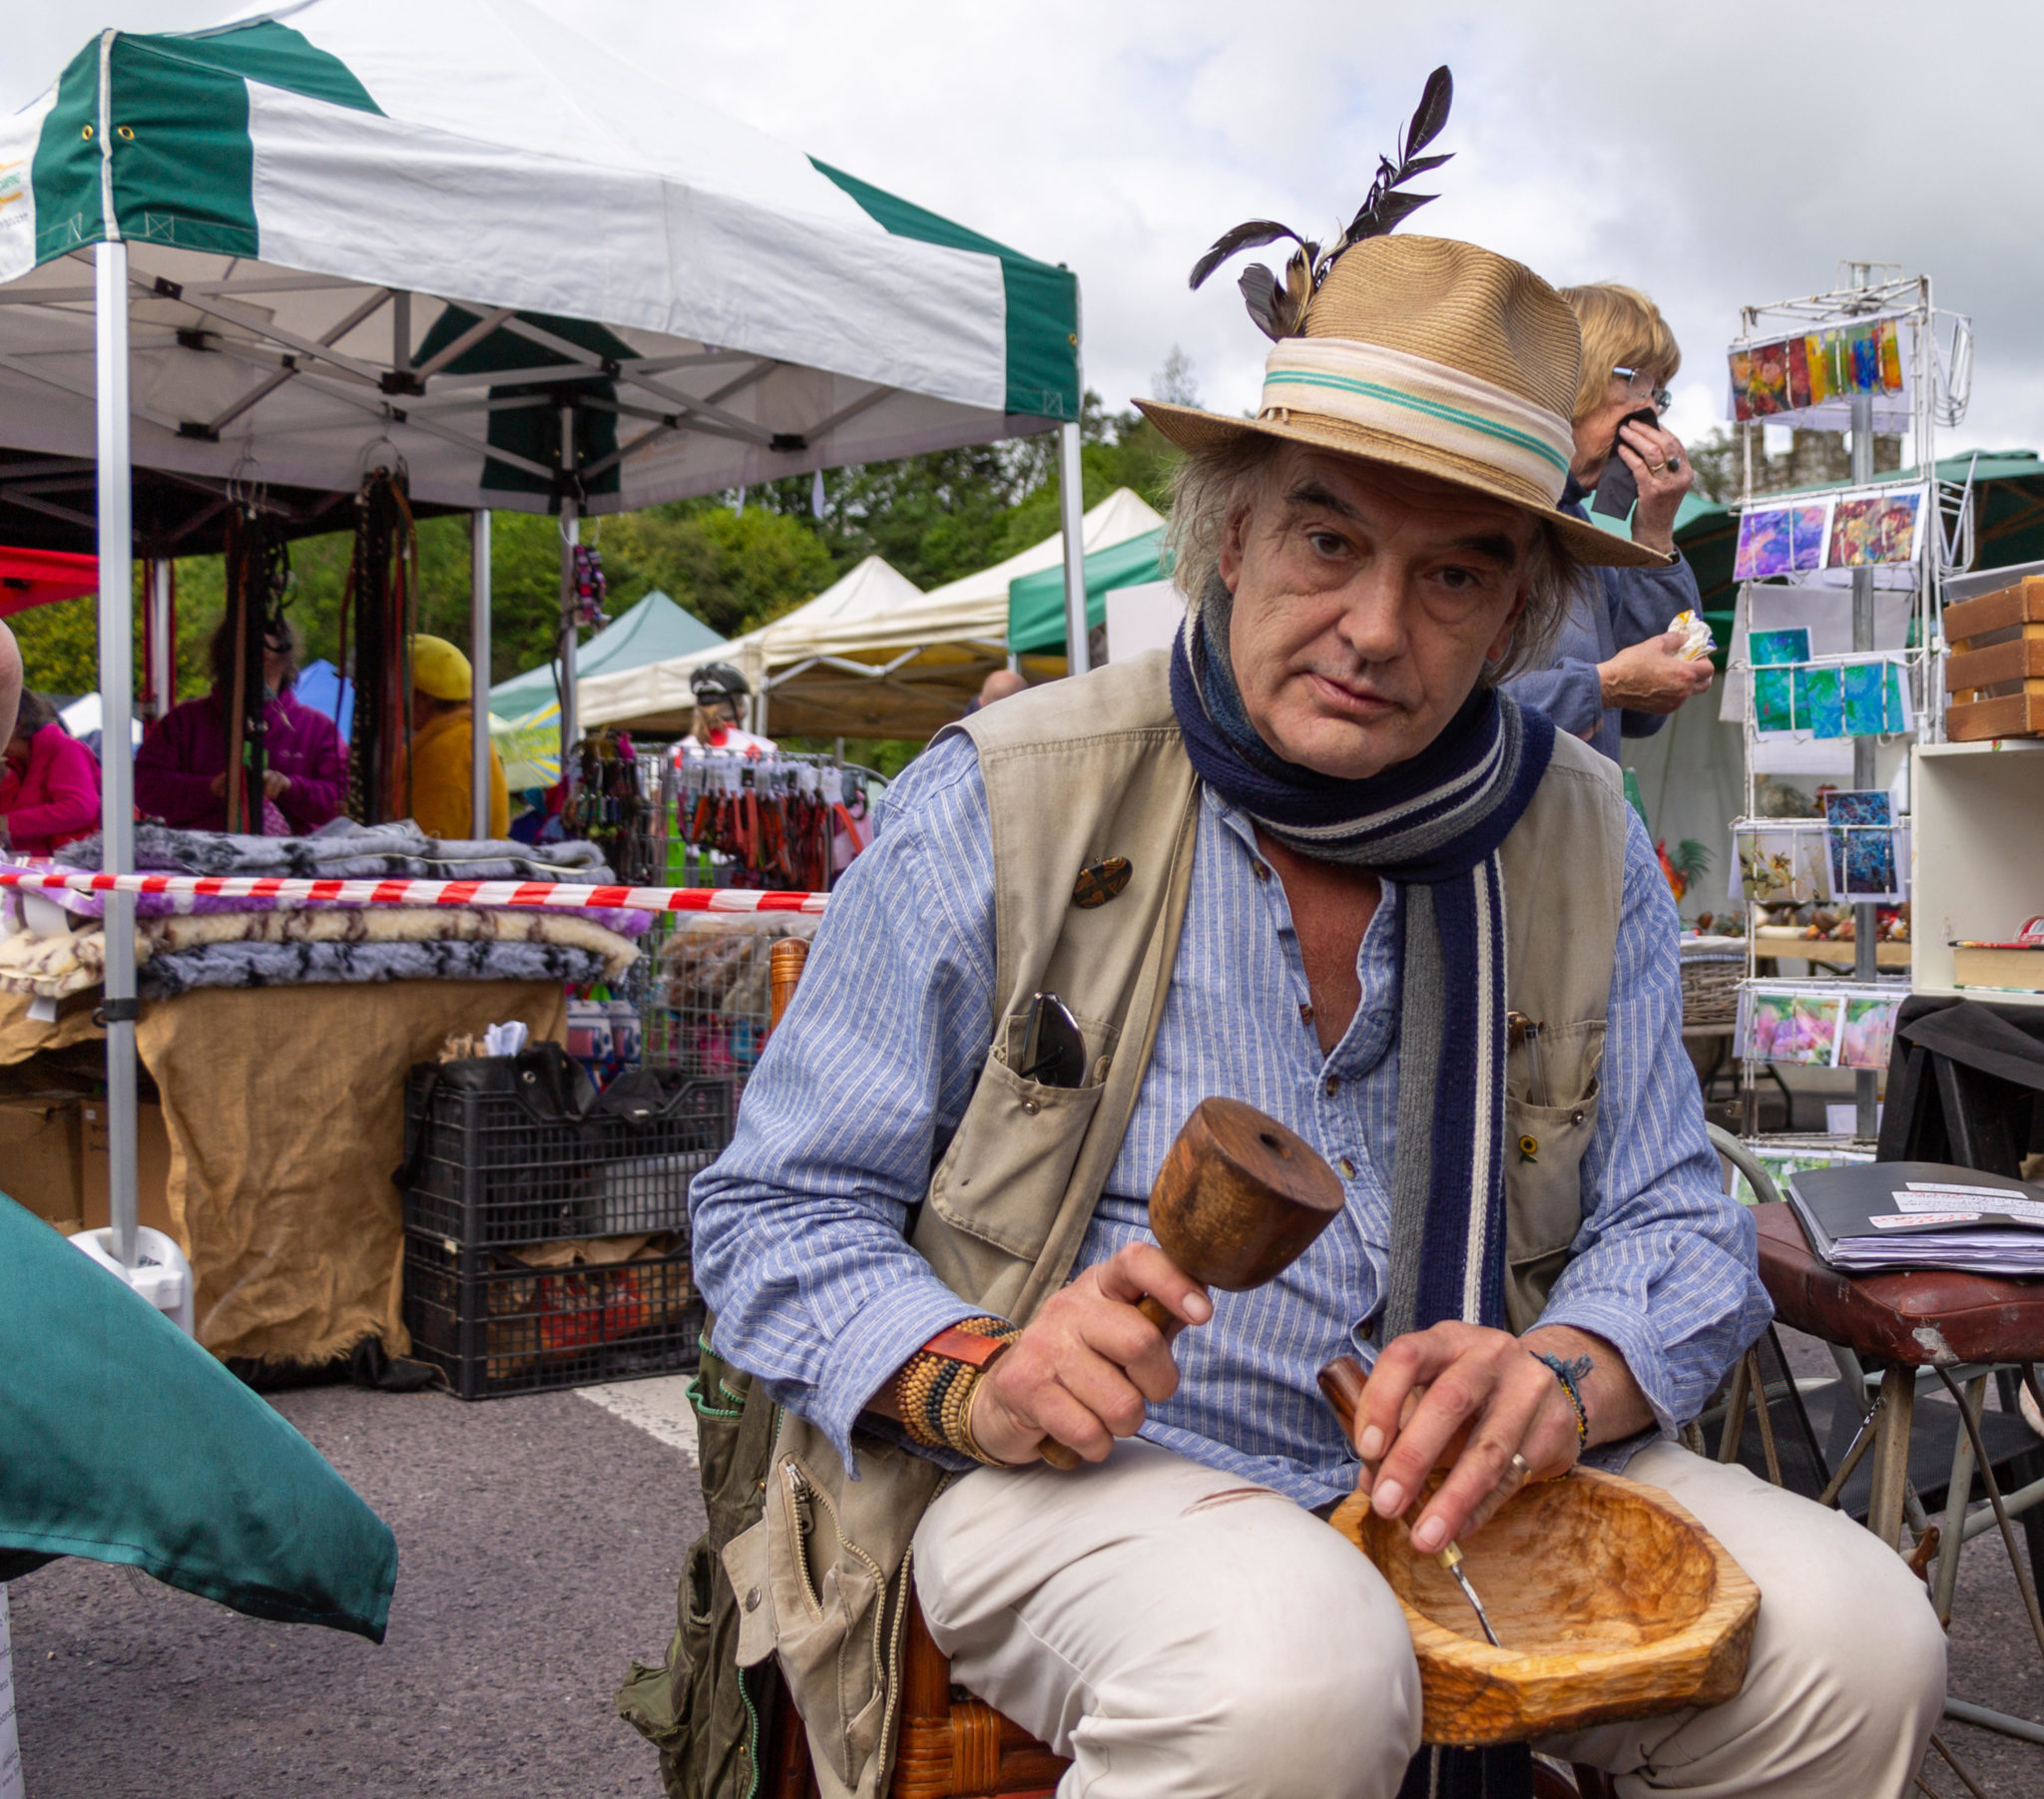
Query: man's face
x,y
1365,602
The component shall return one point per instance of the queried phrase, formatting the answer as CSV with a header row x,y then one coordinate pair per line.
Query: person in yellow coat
x,y
442,727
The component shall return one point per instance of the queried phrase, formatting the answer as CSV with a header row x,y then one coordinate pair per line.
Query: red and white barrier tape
x,y
424,893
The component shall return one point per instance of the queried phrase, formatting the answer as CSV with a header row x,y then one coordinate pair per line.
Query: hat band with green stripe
x,y
1414,397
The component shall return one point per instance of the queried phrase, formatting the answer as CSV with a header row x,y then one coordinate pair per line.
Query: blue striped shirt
x,y
797,1226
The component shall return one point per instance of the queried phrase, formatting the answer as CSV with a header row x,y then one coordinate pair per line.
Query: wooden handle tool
x,y
1342,1382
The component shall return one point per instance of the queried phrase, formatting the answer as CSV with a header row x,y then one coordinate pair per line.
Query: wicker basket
x,y
1710,973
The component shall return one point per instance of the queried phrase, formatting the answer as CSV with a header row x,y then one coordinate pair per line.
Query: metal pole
x,y
1866,957
479,667
571,535
116,709
1072,508
163,653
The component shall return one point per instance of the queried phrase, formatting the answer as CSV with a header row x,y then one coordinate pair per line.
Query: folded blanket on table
x,y
311,964
54,967
344,851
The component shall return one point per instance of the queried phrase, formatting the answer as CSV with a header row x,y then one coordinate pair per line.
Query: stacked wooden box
x,y
1994,681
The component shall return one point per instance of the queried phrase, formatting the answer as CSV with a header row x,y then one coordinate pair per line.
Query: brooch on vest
x,y
1099,882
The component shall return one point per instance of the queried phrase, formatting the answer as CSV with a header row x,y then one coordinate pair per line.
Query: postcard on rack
x,y
1764,544
1869,530
1877,700
1810,532
1766,649
1792,1026
1860,824
1769,383
1890,356
1783,866
1774,700
1741,385
1868,1033
1820,701
1820,364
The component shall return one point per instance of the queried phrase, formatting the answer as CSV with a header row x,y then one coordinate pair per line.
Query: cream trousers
x,y
1177,1633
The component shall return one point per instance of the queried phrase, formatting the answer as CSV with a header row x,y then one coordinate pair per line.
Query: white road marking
x,y
660,1407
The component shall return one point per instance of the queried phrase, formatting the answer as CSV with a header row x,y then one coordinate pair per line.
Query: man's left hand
x,y
1470,1399
1664,472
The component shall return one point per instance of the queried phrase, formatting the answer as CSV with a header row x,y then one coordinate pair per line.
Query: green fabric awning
x,y
121,1440
1036,603
650,632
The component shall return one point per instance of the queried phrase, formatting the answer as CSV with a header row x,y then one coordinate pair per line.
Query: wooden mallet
x,y
1238,1200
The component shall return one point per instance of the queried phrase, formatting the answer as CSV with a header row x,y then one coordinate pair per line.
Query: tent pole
x,y
163,651
116,709
1072,505
479,666
1865,945
571,535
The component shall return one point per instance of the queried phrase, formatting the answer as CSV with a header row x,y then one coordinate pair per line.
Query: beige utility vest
x,y
1076,772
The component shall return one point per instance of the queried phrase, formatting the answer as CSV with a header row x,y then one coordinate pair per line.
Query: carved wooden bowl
x,y
1610,1599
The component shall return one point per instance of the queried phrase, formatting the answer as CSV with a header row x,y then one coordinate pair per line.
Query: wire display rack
x,y
1937,354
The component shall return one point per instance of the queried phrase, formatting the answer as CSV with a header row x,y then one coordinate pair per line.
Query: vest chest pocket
x,y
1544,1145
1007,1167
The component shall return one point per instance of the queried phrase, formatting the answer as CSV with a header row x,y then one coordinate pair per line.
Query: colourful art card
x,y
1794,1027
1864,344
1874,529
1769,383
1809,529
1872,700
1868,1034
1860,827
1774,700
1764,549
1766,649
1781,866
1798,374
1890,356
1822,364
1742,384
1820,701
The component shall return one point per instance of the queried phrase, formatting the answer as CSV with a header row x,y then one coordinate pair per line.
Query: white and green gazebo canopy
x,y
359,221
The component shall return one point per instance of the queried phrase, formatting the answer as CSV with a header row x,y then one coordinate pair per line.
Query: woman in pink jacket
x,y
49,788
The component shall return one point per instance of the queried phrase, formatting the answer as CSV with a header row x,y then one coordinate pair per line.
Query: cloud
x,y
1714,156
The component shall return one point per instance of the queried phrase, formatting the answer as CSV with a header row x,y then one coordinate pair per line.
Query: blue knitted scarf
x,y
1433,824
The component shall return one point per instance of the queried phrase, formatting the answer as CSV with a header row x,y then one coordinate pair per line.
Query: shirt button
x,y
1347,1168
1306,1015
1331,1087
1031,1106
1262,870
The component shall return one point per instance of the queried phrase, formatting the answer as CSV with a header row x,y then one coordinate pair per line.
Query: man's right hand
x,y
1089,1361
1652,676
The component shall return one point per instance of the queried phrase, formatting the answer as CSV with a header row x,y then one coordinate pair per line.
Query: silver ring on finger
x,y
1519,1472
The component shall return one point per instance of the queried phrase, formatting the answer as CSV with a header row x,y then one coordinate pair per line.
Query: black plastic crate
x,y
489,1168
494,1324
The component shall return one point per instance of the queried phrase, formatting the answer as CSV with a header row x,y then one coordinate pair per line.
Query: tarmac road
x,y
540,1541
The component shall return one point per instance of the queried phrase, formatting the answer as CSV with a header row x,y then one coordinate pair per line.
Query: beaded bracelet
x,y
934,1393
1575,1369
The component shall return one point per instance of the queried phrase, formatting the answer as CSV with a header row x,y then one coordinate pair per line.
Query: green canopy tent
x,y
1036,603
543,275
649,632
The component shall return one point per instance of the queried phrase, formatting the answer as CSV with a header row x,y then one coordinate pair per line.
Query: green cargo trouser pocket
x,y
698,1706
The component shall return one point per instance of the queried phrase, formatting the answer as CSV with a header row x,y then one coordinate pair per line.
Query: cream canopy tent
x,y
346,232
870,656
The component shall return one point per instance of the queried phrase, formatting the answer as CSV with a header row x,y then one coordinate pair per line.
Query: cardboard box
x,y
40,1158
152,1168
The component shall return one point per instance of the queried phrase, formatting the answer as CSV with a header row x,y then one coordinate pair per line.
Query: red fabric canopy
x,y
40,576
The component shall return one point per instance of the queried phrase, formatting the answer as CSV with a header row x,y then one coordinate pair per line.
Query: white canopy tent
x,y
870,656
357,232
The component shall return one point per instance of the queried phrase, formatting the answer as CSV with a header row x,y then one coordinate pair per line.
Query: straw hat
x,y
1433,357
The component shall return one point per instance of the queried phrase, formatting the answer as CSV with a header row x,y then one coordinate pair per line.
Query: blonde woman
x,y
1616,669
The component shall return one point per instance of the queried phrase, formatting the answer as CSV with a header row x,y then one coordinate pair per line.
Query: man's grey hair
x,y
1215,485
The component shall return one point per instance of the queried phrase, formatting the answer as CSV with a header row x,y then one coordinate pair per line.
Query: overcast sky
x,y
1713,157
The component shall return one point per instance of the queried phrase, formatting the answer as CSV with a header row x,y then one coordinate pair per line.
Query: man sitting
x,y
1319,864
